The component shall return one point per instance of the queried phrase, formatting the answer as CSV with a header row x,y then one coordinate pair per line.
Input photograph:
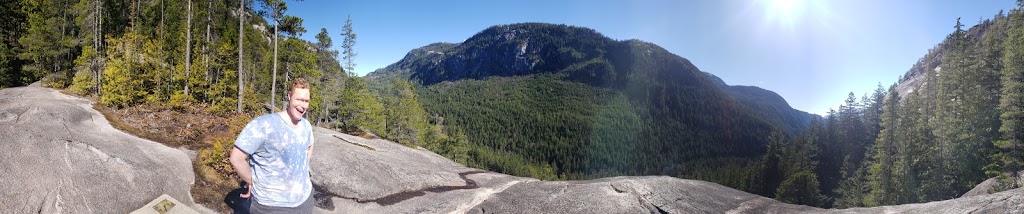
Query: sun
x,y
784,12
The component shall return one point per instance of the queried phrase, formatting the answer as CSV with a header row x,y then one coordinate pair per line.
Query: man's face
x,y
298,103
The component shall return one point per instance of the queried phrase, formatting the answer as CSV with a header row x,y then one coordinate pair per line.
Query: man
x,y
272,156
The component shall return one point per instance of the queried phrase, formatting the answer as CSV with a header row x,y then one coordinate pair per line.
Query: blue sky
x,y
812,52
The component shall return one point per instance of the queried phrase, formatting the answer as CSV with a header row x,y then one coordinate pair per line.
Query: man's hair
x,y
299,83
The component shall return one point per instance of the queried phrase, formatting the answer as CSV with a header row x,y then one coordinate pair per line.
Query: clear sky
x,y
812,52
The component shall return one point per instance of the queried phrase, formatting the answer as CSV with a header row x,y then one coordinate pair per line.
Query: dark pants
x,y
305,207
238,204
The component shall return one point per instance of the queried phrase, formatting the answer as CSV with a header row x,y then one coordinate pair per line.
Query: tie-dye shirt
x,y
278,157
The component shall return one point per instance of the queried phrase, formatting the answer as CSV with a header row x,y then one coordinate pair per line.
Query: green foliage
x,y
358,109
122,83
348,51
853,188
883,158
10,64
44,45
963,89
1009,159
800,188
87,66
406,119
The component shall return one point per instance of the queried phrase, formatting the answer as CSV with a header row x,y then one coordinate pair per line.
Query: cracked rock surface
x,y
58,155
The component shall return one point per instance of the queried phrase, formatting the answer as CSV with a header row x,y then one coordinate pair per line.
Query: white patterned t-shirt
x,y
278,157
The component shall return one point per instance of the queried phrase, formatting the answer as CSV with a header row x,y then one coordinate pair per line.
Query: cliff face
x,y
60,156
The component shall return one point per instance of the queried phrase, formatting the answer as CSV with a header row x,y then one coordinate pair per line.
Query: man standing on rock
x,y
272,155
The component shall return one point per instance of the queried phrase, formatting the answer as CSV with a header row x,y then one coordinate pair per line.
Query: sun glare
x,y
784,12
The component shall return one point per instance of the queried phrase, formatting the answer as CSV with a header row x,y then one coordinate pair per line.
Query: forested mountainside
x,y
628,107
556,101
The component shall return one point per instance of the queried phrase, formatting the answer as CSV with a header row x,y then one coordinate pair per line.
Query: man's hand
x,y
240,161
248,191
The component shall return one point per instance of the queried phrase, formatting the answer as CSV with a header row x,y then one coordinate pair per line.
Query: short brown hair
x,y
299,83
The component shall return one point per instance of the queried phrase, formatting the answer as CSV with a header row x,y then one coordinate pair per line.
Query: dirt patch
x,y
210,134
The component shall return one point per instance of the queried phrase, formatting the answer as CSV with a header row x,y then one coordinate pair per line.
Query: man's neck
x,y
284,115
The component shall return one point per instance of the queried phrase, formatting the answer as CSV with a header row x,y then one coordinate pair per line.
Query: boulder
x,y
61,156
985,186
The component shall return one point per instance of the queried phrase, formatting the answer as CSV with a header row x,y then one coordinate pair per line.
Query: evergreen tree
x,y
359,110
966,117
332,77
44,43
1009,159
873,111
830,161
800,188
881,163
10,30
851,135
853,188
277,9
771,174
348,51
913,137
406,119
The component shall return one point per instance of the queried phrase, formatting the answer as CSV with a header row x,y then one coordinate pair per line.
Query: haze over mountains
x,y
563,102
588,106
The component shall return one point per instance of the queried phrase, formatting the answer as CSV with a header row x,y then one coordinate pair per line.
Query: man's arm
x,y
309,155
240,161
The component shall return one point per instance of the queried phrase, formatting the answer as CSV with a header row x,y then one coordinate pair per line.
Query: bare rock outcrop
x,y
58,155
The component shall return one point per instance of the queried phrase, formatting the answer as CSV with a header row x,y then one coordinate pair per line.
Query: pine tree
x,y
881,163
359,110
406,119
830,160
348,51
913,138
13,25
1009,159
800,188
851,135
853,188
41,43
332,77
766,182
965,117
873,111
277,9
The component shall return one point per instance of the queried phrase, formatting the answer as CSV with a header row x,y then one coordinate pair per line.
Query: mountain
x,y
767,102
583,105
931,62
